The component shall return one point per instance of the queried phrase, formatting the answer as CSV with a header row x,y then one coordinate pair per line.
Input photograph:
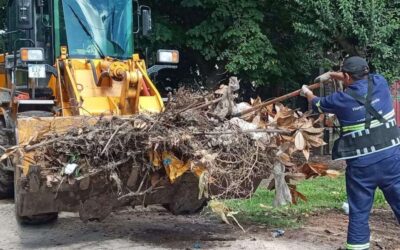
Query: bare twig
x,y
205,104
278,131
112,137
131,194
41,144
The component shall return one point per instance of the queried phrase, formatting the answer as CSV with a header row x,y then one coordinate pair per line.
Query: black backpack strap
x,y
368,104
370,110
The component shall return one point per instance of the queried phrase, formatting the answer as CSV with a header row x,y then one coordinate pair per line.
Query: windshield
x,y
98,28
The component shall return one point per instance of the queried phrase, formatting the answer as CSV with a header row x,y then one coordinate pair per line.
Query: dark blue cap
x,y
355,64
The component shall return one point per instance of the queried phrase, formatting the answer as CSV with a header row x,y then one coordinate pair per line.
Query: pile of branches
x,y
230,154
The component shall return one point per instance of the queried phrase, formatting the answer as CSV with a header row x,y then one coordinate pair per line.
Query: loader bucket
x,y
30,129
32,196
96,195
93,196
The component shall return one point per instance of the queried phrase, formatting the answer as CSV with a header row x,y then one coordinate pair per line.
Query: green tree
x,y
232,34
368,28
3,15
273,42
3,12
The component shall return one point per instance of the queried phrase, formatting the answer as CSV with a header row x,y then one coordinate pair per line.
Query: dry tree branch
x,y
112,137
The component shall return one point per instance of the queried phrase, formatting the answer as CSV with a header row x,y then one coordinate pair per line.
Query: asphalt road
x,y
150,228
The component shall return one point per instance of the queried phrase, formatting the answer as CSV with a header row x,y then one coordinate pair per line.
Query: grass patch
x,y
323,194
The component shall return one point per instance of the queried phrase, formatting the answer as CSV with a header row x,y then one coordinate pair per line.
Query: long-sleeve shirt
x,y
352,115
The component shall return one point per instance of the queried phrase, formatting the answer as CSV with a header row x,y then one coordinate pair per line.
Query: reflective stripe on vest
x,y
375,123
370,137
367,141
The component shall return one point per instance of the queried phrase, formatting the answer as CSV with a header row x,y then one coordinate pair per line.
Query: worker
x,y
369,142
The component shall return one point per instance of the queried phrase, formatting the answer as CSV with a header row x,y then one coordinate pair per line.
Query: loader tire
x,y
185,200
6,177
6,184
39,219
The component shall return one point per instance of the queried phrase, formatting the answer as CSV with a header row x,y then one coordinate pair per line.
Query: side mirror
x,y
146,22
24,14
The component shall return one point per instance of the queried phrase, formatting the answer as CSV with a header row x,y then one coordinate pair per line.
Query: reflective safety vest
x,y
376,134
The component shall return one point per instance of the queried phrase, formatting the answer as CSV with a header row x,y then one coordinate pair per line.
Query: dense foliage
x,y
368,28
284,41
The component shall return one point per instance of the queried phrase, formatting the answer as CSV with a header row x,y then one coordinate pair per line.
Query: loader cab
x,y
94,29
89,29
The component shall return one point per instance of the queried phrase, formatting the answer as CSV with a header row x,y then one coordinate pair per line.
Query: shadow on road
x,y
141,228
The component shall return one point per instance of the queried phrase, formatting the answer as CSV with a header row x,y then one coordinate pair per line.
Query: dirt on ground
x,y
155,228
331,228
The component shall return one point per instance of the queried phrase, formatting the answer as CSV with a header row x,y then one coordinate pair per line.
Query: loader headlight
x,y
32,54
168,56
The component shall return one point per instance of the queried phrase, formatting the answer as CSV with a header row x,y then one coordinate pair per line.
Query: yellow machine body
x,y
120,91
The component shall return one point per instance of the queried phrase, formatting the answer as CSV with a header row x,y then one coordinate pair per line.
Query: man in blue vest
x,y
369,142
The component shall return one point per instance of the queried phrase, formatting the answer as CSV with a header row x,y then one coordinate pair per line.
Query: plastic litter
x,y
70,168
345,207
197,245
278,233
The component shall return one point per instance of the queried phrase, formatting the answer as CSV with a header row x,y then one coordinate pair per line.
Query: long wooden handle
x,y
275,100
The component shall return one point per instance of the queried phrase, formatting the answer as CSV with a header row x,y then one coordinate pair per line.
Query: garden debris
x,y
196,133
296,194
220,209
318,169
283,195
278,233
203,185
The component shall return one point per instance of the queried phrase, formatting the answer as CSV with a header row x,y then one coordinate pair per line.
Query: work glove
x,y
323,78
304,91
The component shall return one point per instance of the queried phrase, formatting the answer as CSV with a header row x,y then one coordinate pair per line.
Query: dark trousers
x,y
361,183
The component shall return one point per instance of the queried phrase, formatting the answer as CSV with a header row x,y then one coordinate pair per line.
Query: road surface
x,y
148,228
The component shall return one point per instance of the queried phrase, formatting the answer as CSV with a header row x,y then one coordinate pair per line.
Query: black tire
x,y
38,219
6,177
6,184
185,200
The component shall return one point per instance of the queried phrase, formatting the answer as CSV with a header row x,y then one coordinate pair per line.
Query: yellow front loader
x,y
67,61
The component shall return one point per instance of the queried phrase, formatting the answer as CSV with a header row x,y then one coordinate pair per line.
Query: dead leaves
x,y
296,195
299,141
203,185
285,159
10,152
311,170
220,209
306,153
332,173
304,135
